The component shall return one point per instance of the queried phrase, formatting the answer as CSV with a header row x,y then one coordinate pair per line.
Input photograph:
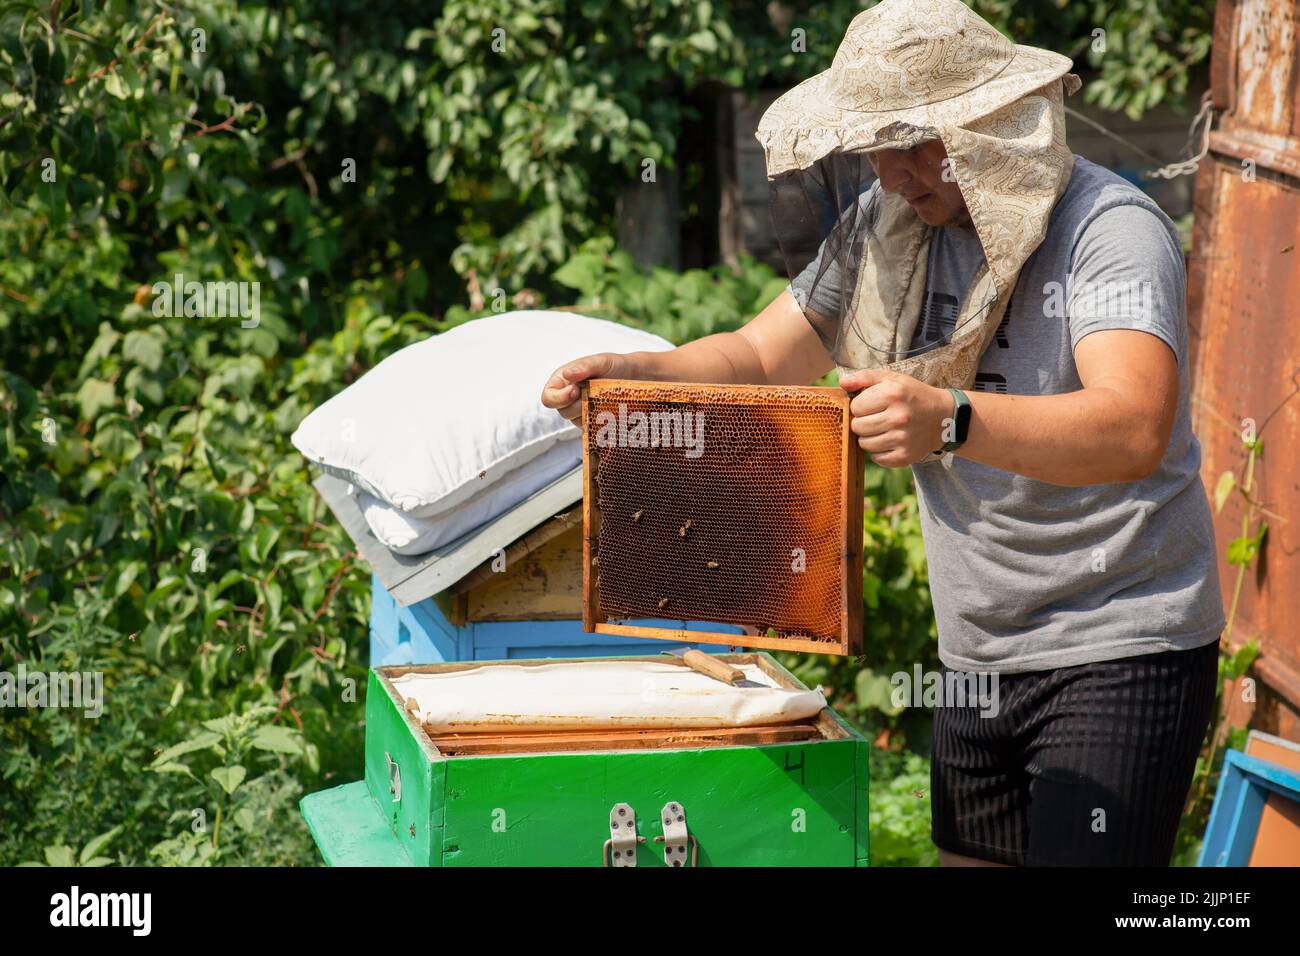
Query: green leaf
x,y
101,348
439,165
198,742
1242,658
144,349
581,273
277,739
265,540
274,599
1227,481
95,844
179,768
126,577
218,472
703,41
40,55
114,86
95,396
59,855
58,64
229,777
1244,549
875,691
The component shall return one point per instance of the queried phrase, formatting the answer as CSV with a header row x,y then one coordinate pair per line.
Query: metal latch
x,y
623,837
675,836
394,778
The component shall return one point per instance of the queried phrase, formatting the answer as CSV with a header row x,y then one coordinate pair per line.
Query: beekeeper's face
x,y
921,175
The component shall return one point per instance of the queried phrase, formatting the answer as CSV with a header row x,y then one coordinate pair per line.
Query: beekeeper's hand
x,y
561,390
777,347
898,419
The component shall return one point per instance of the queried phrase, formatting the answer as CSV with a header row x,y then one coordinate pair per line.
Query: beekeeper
x,y
1011,317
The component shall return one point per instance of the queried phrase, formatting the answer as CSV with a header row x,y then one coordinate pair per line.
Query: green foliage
x,y
62,855
1150,51
224,749
899,810
1233,665
680,306
492,136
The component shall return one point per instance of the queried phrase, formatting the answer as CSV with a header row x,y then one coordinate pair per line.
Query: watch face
x,y
963,421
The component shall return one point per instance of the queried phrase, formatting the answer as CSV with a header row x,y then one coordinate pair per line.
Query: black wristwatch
x,y
960,421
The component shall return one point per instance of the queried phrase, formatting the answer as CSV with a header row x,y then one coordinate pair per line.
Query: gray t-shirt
x,y
1027,575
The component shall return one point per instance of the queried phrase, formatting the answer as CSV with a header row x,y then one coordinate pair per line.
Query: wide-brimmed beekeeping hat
x,y
909,71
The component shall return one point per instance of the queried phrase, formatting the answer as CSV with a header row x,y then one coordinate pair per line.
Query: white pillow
x,y
407,534
437,422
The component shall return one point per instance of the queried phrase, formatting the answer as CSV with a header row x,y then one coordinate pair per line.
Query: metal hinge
x,y
623,837
394,778
675,836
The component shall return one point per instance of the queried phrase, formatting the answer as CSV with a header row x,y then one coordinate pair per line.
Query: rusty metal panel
x,y
1244,318
1265,66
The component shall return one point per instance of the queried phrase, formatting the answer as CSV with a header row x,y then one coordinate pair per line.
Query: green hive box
x,y
796,802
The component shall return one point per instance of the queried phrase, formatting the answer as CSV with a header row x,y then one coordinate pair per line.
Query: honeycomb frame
x,y
756,524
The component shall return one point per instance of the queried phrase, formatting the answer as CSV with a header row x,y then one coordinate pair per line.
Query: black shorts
x,y
1086,765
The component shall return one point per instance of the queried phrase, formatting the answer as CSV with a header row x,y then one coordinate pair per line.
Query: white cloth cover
x,y
435,423
407,534
597,694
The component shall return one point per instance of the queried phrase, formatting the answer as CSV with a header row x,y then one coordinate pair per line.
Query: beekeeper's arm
x,y
1115,428
776,347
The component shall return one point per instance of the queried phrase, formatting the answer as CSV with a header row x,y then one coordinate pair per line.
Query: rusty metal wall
x,y
1244,316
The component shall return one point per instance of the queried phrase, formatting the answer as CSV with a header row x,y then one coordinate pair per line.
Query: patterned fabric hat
x,y
906,72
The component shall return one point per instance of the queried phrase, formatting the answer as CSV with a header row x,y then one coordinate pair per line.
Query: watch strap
x,y
961,412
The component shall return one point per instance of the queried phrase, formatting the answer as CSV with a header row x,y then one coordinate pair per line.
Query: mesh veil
x,y
827,222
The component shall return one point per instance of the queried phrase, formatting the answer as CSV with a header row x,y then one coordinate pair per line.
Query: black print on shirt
x,y
938,318
1000,335
990,382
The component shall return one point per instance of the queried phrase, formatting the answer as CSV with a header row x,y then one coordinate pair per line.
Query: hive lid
x,y
412,578
729,504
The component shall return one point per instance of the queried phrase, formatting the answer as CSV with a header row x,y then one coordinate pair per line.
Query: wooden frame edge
x,y
854,494
591,615
851,509
685,636
601,385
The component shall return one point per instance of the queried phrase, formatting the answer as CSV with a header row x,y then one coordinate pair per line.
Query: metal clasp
x,y
675,836
394,778
623,837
